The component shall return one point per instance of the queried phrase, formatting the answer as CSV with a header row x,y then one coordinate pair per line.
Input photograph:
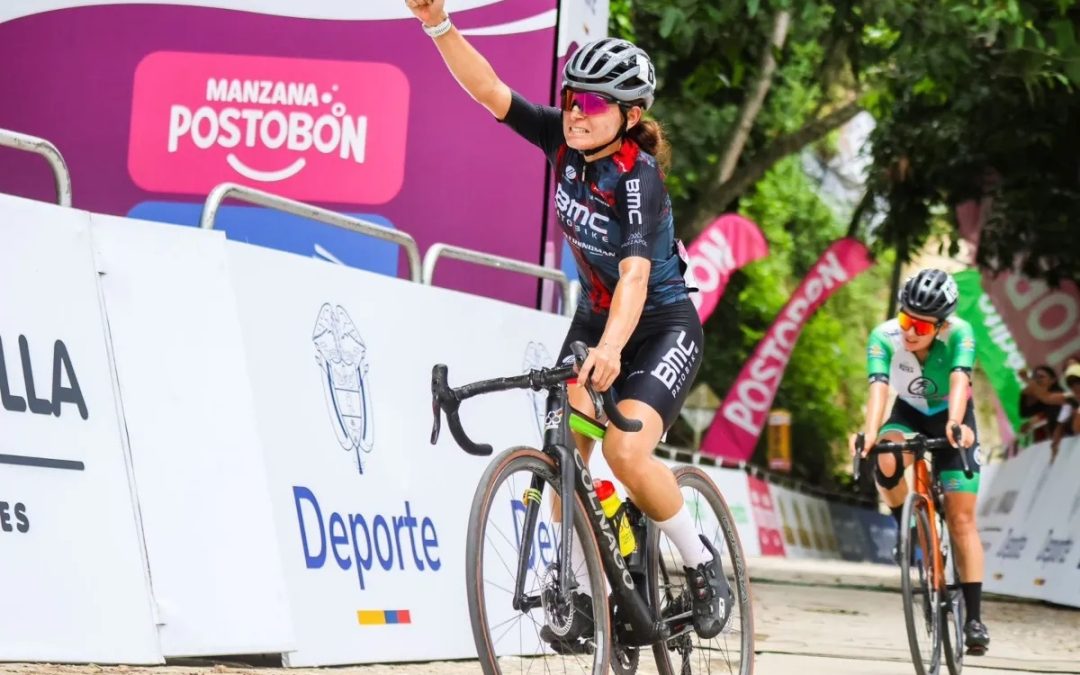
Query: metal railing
x,y
40,146
499,262
272,201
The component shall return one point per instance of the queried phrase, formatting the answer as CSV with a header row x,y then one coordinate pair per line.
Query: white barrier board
x,y
76,587
732,484
822,532
1030,559
1061,559
798,533
1002,517
195,447
371,518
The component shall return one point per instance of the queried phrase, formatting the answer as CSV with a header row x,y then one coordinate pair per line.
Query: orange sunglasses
x,y
921,326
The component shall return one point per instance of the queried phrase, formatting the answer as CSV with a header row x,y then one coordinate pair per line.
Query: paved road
x,y
812,618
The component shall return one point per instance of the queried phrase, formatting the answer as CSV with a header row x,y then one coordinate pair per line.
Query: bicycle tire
x,y
953,611
528,460
927,616
734,568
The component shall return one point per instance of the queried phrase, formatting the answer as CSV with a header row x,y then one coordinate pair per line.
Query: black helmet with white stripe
x,y
931,292
614,68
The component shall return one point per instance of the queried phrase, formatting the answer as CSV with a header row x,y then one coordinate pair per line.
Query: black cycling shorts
x,y
947,463
660,360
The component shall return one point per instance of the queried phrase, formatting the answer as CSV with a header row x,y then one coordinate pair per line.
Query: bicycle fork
x,y
922,480
556,428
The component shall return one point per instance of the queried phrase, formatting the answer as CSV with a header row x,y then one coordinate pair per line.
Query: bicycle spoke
x,y
733,647
497,550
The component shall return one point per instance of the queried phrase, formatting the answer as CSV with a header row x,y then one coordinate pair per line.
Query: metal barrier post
x,y
489,260
40,146
272,201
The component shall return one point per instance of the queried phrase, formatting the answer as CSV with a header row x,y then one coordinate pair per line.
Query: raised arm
x,y
468,66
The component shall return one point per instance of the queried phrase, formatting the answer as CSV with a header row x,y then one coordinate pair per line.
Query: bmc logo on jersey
x,y
576,213
315,130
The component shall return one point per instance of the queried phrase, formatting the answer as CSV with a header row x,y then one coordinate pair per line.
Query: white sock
x,y
681,531
578,567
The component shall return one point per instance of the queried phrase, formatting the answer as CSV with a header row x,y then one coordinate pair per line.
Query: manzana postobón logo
x,y
308,129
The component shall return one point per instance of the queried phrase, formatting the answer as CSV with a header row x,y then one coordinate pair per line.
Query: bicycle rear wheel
x,y
953,609
509,640
922,598
732,651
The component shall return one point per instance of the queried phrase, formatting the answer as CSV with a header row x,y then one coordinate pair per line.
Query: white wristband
x,y
440,29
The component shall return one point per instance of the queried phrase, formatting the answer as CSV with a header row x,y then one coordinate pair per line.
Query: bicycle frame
x,y
924,487
640,625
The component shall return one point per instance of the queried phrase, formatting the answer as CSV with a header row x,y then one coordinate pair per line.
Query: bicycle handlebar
x,y
611,407
448,400
915,444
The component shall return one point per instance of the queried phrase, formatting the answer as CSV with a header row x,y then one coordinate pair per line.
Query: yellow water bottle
x,y
610,502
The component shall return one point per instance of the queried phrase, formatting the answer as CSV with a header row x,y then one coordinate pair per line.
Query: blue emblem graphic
x,y
341,355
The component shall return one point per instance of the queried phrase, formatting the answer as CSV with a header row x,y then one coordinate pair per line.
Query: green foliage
x,y
707,54
824,385
971,98
987,105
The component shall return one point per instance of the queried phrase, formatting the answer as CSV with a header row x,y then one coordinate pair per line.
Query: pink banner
x,y
1044,321
738,423
768,522
730,242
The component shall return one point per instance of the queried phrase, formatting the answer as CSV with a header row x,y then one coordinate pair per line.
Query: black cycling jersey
x,y
610,209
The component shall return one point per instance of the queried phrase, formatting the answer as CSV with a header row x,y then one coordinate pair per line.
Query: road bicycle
x,y
929,577
526,595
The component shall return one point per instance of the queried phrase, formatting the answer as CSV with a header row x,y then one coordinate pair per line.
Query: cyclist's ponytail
x,y
649,136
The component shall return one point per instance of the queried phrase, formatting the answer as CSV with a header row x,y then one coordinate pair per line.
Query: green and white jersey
x,y
924,386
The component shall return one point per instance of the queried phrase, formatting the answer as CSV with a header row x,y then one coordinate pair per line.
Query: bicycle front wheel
x,y
732,651
922,598
953,609
536,638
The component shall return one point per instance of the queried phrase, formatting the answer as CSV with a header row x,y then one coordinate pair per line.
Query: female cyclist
x,y
926,356
634,310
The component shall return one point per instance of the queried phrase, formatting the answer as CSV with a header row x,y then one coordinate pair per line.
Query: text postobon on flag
x,y
738,423
727,244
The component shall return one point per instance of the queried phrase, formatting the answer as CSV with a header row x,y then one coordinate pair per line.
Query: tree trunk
x,y
894,285
752,104
714,202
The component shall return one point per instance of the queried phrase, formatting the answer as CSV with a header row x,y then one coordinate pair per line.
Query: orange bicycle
x,y
929,579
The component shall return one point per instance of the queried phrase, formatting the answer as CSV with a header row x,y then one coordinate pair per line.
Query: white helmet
x,y
615,68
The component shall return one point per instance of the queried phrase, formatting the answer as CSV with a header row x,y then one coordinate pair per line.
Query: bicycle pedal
x,y
976,651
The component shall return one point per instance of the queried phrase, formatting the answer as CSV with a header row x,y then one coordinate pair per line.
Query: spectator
x,y
1042,415
1051,396
1069,418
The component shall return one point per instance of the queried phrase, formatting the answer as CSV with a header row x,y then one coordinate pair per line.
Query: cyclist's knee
x,y
889,470
961,521
622,457
628,456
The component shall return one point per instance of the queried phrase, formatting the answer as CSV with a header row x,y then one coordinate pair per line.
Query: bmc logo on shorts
x,y
312,130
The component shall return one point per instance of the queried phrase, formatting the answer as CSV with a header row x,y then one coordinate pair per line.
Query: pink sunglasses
x,y
589,103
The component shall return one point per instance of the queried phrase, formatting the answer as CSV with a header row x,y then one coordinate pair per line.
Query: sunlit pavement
x,y
813,617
